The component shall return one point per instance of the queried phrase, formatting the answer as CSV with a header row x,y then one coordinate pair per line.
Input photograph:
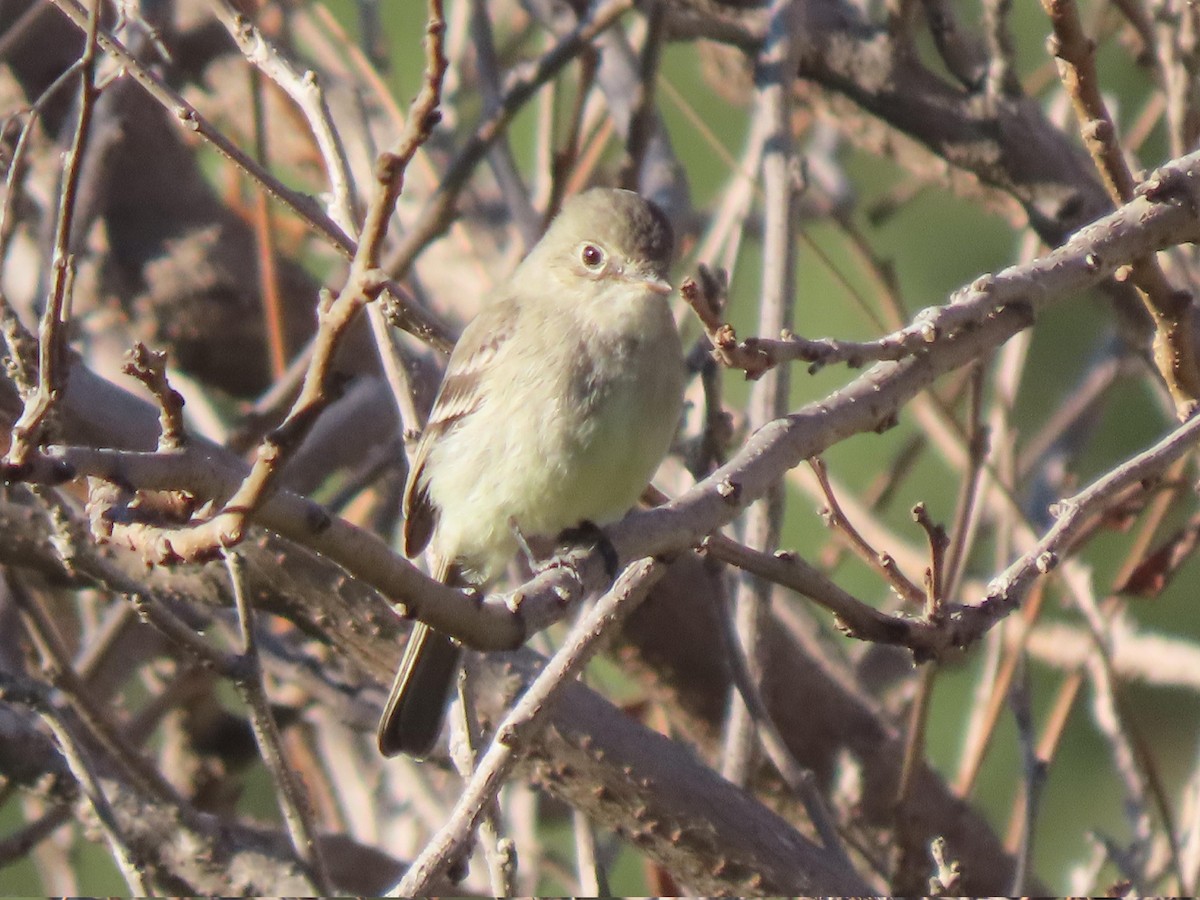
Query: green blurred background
x,y
936,243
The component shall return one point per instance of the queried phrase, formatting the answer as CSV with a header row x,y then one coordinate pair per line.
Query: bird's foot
x,y
587,535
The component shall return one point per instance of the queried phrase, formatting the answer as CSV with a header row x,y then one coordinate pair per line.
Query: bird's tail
x,y
412,718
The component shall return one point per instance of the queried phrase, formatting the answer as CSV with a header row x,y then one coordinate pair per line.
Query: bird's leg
x,y
526,551
587,535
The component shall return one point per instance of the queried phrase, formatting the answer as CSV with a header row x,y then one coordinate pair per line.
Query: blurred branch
x,y
138,660
133,867
1034,772
1073,514
763,521
295,806
304,88
411,317
363,284
802,782
438,211
1137,656
525,718
978,319
29,429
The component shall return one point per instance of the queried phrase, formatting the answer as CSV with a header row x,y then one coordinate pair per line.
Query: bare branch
x,y
514,733
1171,309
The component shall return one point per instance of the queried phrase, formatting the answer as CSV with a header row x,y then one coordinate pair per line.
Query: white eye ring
x,y
592,257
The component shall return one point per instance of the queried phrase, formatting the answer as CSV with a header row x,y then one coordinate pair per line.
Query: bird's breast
x,y
575,435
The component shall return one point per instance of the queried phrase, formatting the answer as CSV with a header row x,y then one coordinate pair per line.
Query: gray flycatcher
x,y
558,404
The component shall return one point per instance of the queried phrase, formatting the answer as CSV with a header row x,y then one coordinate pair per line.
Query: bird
x,y
558,403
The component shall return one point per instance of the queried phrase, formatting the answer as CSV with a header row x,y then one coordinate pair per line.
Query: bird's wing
x,y
457,397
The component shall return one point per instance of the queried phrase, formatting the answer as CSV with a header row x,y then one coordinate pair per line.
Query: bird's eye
x,y
592,256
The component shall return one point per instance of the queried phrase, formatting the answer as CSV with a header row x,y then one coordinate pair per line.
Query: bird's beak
x,y
656,284
649,280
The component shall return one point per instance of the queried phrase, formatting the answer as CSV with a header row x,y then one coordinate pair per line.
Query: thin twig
x,y
910,864
500,156
866,512
528,715
29,429
881,270
564,159
727,223
1106,713
948,873
140,772
23,840
305,90
854,617
643,114
150,368
991,685
1171,309
410,316
1002,78
593,881
1034,769
935,572
1162,795
330,31
363,285
758,355
32,695
1081,399
801,781
499,852
16,165
1174,55
1138,17
523,84
979,737
1072,515
961,50
882,562
963,530
297,813
264,234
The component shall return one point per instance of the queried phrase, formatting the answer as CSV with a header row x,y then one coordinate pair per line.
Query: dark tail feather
x,y
412,718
